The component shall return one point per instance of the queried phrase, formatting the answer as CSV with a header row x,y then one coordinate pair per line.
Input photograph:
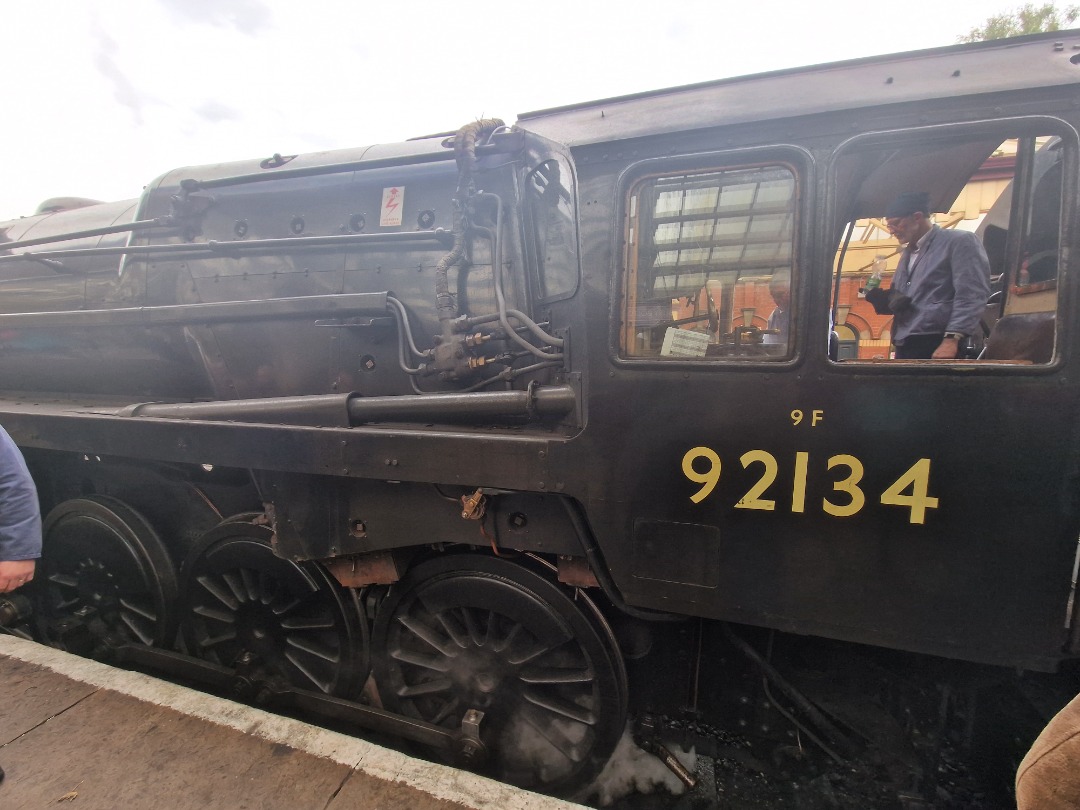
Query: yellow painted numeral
x,y
752,499
918,478
850,485
798,489
708,478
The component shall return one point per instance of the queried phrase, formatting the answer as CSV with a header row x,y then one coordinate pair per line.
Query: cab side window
x,y
710,264
1005,187
550,194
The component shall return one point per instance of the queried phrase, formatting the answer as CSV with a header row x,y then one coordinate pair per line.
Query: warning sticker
x,y
393,200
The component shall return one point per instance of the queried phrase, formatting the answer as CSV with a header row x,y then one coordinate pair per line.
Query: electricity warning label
x,y
393,200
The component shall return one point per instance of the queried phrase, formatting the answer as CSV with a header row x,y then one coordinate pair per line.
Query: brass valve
x,y
476,339
474,505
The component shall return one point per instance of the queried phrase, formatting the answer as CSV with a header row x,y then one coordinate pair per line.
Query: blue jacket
x,y
20,515
948,287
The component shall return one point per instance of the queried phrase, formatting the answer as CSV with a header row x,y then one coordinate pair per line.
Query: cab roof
x,y
1039,60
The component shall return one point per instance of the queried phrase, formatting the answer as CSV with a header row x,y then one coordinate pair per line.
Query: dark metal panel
x,y
502,459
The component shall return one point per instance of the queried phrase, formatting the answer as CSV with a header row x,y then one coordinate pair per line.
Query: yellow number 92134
x,y
702,466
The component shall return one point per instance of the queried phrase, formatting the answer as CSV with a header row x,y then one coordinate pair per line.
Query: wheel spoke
x,y
426,688
324,686
453,630
248,580
64,580
472,628
217,615
433,662
311,648
562,708
235,586
508,639
530,653
313,623
285,606
538,675
220,593
213,641
145,612
427,635
449,709
143,636
553,734
268,588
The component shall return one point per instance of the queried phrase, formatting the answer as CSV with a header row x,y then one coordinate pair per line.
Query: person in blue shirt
x,y
941,285
20,518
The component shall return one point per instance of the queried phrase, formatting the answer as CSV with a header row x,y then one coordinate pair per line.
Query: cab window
x,y
1003,187
550,195
710,264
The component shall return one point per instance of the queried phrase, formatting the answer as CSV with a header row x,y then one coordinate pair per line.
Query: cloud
x,y
124,91
215,112
246,16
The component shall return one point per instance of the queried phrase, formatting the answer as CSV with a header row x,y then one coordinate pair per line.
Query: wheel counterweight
x,y
471,632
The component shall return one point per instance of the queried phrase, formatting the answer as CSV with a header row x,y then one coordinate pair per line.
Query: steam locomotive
x,y
435,436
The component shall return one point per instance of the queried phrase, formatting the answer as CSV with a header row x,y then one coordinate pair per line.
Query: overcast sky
x,y
102,96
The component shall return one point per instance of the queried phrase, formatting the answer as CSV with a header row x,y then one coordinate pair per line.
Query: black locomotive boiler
x,y
432,436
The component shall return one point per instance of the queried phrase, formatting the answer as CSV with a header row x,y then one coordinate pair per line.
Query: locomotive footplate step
x,y
77,730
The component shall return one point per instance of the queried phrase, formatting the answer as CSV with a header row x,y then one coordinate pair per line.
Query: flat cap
x,y
908,203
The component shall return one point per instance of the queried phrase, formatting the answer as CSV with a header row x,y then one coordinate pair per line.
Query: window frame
x,y
1002,129
532,227
795,159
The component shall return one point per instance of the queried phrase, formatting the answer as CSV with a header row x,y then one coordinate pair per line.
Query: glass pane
x,y
1000,198
550,195
714,259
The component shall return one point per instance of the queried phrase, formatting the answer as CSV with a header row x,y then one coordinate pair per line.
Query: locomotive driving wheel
x,y
105,572
240,601
471,632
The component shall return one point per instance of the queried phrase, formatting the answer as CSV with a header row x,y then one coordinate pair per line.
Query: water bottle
x,y
874,281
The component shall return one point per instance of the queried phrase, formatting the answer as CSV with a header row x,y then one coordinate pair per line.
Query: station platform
x,y
80,733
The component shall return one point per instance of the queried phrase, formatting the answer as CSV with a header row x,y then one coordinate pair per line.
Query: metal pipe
x,y
661,752
327,410
345,410
225,311
218,247
103,231
600,570
536,403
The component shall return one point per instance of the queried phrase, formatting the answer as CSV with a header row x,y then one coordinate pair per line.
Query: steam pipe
x,y
537,403
465,155
217,247
103,231
347,410
600,570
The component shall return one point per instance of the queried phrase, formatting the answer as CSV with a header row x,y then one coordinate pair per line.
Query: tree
x,y
1028,19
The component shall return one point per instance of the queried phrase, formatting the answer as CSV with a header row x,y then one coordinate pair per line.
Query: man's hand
x,y
14,573
949,349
